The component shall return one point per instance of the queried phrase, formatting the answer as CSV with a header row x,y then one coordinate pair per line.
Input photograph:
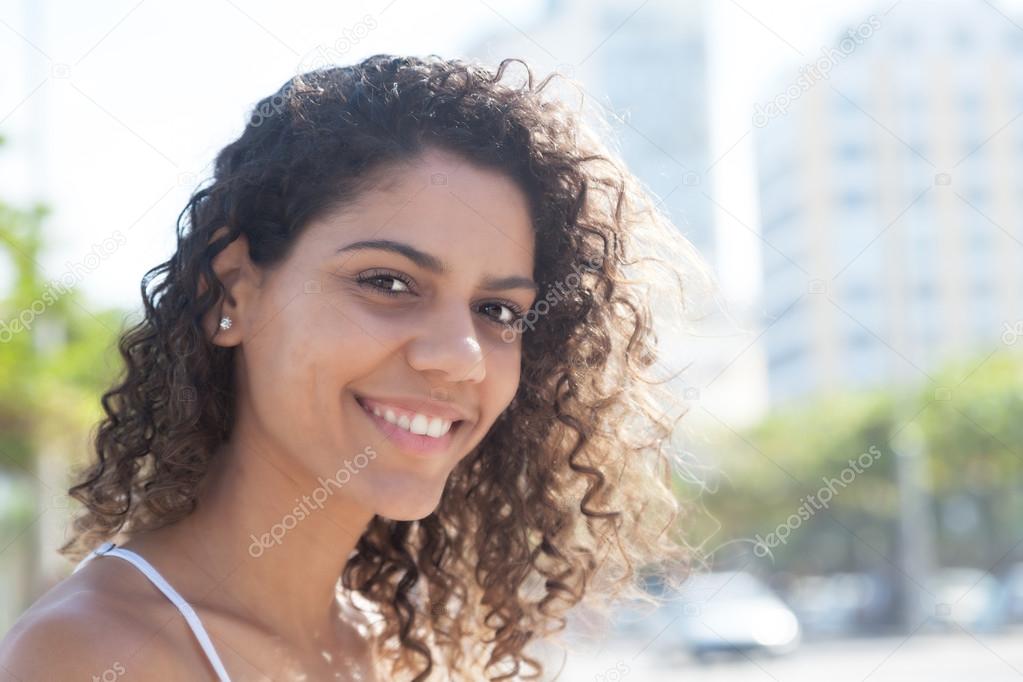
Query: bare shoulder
x,y
89,645
91,626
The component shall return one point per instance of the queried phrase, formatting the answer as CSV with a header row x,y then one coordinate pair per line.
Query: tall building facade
x,y
890,200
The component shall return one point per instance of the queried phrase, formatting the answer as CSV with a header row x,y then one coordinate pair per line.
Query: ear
x,y
240,279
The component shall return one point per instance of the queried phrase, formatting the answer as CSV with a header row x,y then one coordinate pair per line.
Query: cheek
x,y
352,333
502,381
355,325
285,382
298,365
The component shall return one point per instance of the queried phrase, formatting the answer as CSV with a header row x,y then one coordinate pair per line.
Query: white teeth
x,y
420,424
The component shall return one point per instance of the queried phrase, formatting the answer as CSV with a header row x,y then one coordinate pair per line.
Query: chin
x,y
407,503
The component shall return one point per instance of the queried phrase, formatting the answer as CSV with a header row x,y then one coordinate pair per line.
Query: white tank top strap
x,y
110,549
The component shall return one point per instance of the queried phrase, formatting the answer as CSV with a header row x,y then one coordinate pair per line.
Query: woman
x,y
386,415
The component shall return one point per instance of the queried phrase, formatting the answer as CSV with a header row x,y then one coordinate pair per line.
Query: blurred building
x,y
648,67
889,181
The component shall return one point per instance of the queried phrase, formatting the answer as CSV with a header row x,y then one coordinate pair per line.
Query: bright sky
x,y
112,111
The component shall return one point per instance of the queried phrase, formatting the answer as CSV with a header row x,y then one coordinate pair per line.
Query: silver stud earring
x,y
225,322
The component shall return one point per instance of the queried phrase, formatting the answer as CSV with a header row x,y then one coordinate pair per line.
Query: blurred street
x,y
930,657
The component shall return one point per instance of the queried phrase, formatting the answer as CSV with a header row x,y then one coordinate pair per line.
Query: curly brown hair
x,y
570,494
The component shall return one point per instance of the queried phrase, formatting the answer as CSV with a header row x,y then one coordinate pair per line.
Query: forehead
x,y
442,204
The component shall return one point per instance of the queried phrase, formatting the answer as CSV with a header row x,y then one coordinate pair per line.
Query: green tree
x,y
56,358
971,435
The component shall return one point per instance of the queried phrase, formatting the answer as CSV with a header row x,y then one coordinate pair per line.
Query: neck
x,y
264,545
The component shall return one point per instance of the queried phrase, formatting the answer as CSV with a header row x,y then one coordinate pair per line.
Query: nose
x,y
447,343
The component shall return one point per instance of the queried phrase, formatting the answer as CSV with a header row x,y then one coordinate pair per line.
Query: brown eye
x,y
514,313
393,284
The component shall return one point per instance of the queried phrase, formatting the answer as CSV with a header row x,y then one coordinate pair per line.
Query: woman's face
x,y
401,302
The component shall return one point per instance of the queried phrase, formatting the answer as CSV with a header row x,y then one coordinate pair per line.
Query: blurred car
x,y
732,612
840,603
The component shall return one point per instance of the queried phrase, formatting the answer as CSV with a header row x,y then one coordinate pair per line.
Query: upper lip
x,y
431,408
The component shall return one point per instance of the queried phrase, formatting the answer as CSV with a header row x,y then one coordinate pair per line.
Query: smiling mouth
x,y
418,434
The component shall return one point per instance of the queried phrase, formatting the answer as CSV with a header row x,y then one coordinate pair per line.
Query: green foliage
x,y
55,352
970,435
973,431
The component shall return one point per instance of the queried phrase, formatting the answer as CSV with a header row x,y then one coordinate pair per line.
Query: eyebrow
x,y
436,265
